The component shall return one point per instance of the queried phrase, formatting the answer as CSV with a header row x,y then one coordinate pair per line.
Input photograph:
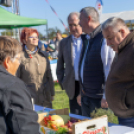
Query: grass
x,y
62,101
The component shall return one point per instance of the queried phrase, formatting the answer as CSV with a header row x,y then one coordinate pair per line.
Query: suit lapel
x,y
70,50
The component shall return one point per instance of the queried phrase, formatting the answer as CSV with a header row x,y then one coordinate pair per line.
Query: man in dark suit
x,y
68,60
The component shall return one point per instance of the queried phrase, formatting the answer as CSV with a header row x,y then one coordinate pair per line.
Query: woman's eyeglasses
x,y
32,37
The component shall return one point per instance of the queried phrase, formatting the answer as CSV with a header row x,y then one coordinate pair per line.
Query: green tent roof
x,y
9,20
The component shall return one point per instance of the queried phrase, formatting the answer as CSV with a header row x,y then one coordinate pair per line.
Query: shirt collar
x,y
31,52
74,38
87,36
125,41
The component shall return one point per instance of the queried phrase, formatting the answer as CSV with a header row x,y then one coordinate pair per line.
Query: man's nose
x,y
73,27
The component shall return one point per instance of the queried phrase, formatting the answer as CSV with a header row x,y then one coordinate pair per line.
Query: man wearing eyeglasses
x,y
68,60
120,82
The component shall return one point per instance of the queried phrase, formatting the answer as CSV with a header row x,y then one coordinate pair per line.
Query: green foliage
x,y
62,130
100,112
40,35
52,32
7,33
66,32
10,33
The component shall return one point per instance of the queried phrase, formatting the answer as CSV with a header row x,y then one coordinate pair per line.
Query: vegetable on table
x,y
42,130
57,120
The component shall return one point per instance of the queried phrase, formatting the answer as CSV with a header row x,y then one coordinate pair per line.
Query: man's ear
x,y
123,33
6,62
89,18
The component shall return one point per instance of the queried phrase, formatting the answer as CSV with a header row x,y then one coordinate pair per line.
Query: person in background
x,y
46,45
68,60
53,40
41,46
95,62
51,48
35,69
53,53
120,82
16,110
58,39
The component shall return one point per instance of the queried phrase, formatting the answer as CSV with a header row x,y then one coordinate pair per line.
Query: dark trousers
x,y
89,105
74,106
129,122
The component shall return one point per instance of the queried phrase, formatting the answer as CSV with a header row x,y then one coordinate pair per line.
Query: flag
x,y
47,1
99,6
54,10
63,24
57,15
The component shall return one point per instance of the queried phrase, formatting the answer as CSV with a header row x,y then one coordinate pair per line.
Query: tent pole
x,y
18,13
47,31
12,7
13,13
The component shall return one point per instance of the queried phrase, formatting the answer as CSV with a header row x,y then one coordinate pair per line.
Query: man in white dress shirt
x,y
68,61
95,62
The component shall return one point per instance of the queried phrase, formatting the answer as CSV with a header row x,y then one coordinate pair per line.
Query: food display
x,y
59,122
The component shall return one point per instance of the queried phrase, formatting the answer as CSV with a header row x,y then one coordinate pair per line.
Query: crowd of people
x,y
52,47
95,67
87,60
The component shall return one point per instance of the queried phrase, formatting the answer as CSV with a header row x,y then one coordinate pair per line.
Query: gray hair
x,y
72,14
113,22
91,11
9,47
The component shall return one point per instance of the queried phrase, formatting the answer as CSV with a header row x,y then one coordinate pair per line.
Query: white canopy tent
x,y
127,16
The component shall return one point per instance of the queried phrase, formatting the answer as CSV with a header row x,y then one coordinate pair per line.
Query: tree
x,y
52,32
10,33
7,33
40,35
66,32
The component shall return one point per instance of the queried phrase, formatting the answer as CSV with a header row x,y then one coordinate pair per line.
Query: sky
x,y
40,9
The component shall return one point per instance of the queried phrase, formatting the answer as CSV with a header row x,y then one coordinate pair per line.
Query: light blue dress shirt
x,y
77,46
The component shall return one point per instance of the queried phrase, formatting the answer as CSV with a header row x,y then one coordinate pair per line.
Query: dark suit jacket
x,y
65,66
16,111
